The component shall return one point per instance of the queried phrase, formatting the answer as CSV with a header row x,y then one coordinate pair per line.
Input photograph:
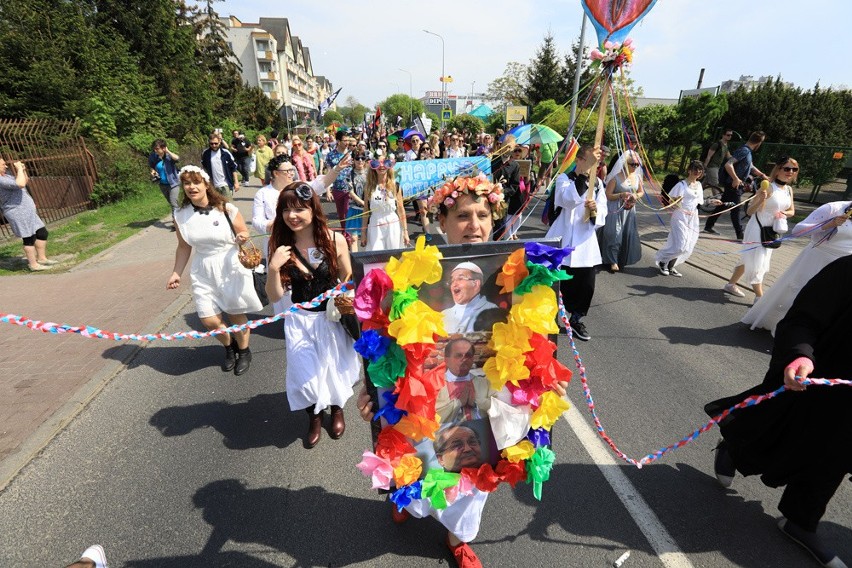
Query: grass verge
x,y
80,237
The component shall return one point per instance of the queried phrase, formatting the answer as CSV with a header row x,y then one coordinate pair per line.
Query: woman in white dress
x,y
686,196
221,286
307,258
830,230
774,200
383,226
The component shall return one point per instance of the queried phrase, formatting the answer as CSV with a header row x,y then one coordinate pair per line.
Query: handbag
x,y
341,310
768,236
250,257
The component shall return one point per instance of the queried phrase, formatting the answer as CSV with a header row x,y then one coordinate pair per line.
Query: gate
x,y
62,170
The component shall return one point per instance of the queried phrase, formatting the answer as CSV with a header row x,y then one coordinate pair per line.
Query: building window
x,y
265,67
262,45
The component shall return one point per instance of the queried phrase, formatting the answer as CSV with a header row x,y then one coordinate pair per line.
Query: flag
x,y
398,120
328,102
570,156
377,120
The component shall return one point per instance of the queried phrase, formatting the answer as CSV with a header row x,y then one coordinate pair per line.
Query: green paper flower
x,y
401,300
540,275
538,468
385,370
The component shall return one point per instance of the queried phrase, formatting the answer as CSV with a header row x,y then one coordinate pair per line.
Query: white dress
x,y
384,231
756,258
773,306
219,282
683,232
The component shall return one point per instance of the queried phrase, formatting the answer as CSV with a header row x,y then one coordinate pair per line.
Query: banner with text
x,y
416,178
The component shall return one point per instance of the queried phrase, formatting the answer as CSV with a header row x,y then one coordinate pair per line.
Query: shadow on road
x,y
731,335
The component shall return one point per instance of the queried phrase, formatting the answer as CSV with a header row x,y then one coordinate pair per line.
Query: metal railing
x,y
62,170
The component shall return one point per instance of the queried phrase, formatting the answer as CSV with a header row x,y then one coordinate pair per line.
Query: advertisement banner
x,y
418,177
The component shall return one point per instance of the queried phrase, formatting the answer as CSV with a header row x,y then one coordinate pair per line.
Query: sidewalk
x,y
46,379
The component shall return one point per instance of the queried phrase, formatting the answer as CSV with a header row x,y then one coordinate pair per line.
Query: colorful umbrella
x,y
534,134
413,132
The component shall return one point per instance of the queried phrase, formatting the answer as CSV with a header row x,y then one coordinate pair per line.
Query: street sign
x,y
446,114
515,115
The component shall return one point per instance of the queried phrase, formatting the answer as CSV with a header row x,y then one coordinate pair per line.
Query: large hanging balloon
x,y
613,19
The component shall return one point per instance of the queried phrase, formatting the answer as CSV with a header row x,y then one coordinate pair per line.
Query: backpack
x,y
551,211
669,182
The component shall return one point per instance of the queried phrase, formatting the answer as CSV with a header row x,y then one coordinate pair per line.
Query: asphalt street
x,y
176,464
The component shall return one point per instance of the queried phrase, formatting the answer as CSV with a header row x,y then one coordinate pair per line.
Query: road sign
x,y
446,114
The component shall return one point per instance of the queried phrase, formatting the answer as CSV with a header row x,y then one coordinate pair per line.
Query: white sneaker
x,y
95,553
663,269
733,290
674,272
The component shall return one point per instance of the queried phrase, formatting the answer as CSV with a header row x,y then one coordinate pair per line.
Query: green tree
x,y
511,87
466,122
655,125
255,109
332,116
401,105
696,117
569,70
217,59
551,114
544,79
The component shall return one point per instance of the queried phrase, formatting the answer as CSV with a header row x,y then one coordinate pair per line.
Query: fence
x,y
62,170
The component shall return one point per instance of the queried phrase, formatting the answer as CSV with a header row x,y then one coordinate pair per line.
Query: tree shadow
x,y
147,223
712,296
311,525
261,421
731,335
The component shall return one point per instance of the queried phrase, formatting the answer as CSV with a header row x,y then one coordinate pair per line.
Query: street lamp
x,y
410,96
443,77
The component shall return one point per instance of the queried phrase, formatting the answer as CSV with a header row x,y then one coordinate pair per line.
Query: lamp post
x,y
443,76
410,96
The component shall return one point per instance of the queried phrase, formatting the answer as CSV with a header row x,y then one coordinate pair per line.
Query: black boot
x,y
243,361
230,356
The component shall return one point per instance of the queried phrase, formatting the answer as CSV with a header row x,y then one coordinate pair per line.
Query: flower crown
x,y
475,186
195,170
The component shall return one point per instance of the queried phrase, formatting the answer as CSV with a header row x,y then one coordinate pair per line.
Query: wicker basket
x,y
344,304
249,255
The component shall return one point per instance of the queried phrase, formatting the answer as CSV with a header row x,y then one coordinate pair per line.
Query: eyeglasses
x,y
290,171
381,146
376,164
457,279
360,158
790,169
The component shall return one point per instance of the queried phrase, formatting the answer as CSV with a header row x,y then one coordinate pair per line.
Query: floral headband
x,y
195,170
476,187
304,191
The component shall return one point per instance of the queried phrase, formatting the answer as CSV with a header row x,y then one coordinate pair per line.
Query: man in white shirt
x,y
466,396
415,142
575,226
465,286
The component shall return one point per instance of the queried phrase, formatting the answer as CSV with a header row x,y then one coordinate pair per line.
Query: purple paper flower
x,y
372,345
539,437
550,257
405,494
389,411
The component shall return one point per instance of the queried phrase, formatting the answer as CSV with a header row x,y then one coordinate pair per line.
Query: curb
x,y
56,423
129,240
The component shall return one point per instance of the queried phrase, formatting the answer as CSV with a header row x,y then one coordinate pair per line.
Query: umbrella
x,y
483,111
413,132
534,134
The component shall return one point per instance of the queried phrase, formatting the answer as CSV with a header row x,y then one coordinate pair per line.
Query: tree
x,y
655,125
544,74
695,118
254,108
217,59
551,114
511,86
332,116
466,122
401,105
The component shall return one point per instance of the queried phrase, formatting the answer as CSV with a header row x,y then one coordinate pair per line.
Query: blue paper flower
x,y
550,257
539,437
389,411
405,494
372,345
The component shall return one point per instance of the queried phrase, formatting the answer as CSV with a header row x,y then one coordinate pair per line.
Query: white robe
x,y
570,226
460,318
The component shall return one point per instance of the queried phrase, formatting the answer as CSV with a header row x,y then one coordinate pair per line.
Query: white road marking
x,y
659,538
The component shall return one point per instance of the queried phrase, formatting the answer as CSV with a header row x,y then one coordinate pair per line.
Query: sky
x,y
361,46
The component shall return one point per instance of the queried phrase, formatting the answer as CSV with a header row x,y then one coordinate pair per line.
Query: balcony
x,y
268,76
265,55
273,95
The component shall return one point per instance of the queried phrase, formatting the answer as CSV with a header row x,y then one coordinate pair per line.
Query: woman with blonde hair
x,y
619,238
263,153
383,225
303,161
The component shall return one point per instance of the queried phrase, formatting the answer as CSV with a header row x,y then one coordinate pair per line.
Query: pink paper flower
x,y
371,291
378,469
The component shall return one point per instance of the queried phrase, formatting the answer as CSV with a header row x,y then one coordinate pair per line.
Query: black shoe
x,y
810,542
243,361
580,331
230,357
723,465
712,231
664,270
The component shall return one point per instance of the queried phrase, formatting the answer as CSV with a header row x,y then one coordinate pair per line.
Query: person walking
x,y
19,209
303,161
263,152
221,286
383,225
220,167
619,237
717,155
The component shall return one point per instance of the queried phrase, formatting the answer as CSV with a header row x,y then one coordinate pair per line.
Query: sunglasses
x,y
790,169
376,164
360,158
297,143
381,145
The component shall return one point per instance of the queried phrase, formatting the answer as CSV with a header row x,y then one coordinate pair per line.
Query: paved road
x,y
178,464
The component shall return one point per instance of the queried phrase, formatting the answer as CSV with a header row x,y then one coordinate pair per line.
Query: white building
x,y
748,82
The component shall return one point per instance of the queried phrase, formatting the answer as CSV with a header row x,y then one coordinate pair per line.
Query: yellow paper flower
x,y
510,334
523,450
551,407
408,470
417,427
513,272
416,267
417,324
537,310
507,365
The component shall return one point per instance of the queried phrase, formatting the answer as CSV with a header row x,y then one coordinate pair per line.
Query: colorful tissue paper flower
x,y
403,496
540,275
510,334
433,485
537,310
379,320
542,363
538,469
389,411
372,345
416,267
385,370
551,406
527,392
539,437
418,392
513,273
523,450
463,487
370,293
417,353
483,478
551,257
507,365
393,445
418,427
377,468
512,473
401,300
408,470
419,324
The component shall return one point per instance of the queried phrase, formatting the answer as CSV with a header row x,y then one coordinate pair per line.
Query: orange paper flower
x,y
513,273
417,427
408,470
